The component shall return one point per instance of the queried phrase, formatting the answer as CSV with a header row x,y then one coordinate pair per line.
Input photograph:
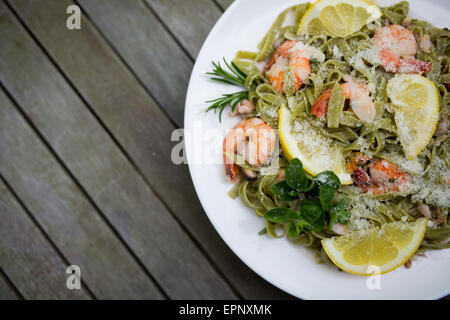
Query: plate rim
x,y
299,293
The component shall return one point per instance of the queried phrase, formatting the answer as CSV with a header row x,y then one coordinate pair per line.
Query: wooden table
x,y
86,177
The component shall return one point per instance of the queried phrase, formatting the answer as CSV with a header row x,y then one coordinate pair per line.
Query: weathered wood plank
x,y
139,127
65,214
6,292
224,4
151,51
103,171
27,258
190,21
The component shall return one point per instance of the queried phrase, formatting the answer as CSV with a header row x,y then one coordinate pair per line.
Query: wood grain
x,y
133,117
103,171
189,21
224,4
147,47
6,292
65,214
27,258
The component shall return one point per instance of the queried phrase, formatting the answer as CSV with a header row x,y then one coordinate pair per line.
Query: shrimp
x,y
243,108
320,106
360,101
253,140
386,177
397,47
291,54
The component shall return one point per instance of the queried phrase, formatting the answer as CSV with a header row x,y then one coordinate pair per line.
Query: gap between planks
x,y
37,224
13,293
189,224
125,153
195,241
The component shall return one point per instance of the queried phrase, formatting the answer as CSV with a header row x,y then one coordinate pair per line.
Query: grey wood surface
x,y
27,258
189,21
155,168
65,214
224,4
86,175
103,171
6,290
140,127
147,47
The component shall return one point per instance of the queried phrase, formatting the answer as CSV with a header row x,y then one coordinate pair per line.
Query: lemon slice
x,y
313,149
386,248
338,17
416,102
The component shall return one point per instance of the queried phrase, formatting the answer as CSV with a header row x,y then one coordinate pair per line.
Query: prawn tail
x,y
231,171
412,65
320,106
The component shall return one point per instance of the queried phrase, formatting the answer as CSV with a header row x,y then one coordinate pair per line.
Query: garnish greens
x,y
234,76
318,205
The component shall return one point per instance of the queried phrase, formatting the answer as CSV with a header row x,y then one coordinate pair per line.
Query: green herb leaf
x,y
332,218
294,230
296,177
326,195
327,178
342,204
233,76
317,225
343,216
339,213
284,191
225,100
310,210
262,232
281,215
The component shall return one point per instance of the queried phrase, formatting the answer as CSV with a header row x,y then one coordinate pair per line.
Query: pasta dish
x,y
343,142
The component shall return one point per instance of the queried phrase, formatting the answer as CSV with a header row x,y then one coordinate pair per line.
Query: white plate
x,y
289,267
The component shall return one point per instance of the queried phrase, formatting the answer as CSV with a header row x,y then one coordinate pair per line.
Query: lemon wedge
x,y
386,248
338,17
300,140
416,102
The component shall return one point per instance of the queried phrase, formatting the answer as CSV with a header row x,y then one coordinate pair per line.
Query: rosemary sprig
x,y
231,99
234,76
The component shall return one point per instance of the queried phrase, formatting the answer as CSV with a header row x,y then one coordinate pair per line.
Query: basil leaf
x,y
342,204
294,230
296,177
281,215
327,178
317,225
326,195
284,191
339,213
342,216
310,210
301,224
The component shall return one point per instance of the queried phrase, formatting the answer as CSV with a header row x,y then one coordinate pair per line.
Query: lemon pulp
x,y
338,17
416,103
387,247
